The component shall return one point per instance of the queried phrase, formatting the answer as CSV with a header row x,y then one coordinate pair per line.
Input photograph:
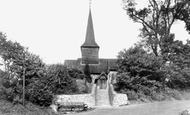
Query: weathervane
x,y
90,2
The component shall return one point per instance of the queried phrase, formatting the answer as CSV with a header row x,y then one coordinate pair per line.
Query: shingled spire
x,y
90,49
90,38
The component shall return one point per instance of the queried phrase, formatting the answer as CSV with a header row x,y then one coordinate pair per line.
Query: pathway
x,y
103,97
156,108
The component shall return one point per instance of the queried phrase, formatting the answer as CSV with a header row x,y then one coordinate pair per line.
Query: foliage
x,y
166,63
18,63
76,73
186,112
140,73
29,109
144,75
40,92
178,65
60,81
157,19
173,93
138,63
55,81
41,81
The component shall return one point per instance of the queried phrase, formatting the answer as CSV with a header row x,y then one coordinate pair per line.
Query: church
x,y
90,54
102,71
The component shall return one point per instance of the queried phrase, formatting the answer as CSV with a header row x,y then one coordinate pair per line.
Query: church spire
x,y
90,38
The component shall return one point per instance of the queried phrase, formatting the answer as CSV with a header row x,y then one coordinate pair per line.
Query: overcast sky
x,y
55,29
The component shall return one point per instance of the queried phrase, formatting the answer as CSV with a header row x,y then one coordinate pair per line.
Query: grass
x,y
168,95
7,108
185,94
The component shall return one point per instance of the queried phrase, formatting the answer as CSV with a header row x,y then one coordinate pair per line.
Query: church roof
x,y
103,66
102,76
90,38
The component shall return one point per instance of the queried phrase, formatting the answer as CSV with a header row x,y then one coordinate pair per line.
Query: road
x,y
156,108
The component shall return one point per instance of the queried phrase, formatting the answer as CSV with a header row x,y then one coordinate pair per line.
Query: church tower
x,y
90,49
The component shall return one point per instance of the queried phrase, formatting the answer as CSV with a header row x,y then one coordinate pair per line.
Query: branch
x,y
143,21
144,26
155,3
151,4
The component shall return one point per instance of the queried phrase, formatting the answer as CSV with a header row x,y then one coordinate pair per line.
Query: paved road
x,y
156,108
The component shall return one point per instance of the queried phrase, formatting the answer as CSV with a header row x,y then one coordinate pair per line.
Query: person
x,y
95,81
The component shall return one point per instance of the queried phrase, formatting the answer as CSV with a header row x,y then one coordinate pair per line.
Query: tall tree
x,y
87,73
21,65
157,19
139,71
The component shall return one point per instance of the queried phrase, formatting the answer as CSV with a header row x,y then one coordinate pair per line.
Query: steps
x,y
102,97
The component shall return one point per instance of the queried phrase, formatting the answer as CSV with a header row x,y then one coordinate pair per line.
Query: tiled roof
x,y
104,65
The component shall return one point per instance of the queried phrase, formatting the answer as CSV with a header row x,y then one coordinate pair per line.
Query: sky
x,y
55,29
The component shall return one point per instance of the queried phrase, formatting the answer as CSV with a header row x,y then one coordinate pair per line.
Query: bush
x,y
59,80
41,93
174,94
41,82
132,95
55,81
186,112
143,74
40,86
158,96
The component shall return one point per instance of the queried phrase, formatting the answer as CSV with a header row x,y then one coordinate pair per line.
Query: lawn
x,y
7,108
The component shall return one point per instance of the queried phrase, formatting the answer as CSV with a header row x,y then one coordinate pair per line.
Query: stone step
x,y
103,97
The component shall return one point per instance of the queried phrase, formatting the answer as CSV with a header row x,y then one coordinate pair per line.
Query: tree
x,y
157,19
178,67
21,66
137,62
41,81
76,73
87,73
59,80
139,72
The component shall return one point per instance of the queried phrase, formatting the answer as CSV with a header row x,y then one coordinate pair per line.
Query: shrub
x,y
40,93
144,74
185,94
186,112
55,81
59,80
174,94
132,95
158,96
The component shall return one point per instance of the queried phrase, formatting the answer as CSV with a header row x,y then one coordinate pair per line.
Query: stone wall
x,y
120,99
85,98
88,99
115,99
